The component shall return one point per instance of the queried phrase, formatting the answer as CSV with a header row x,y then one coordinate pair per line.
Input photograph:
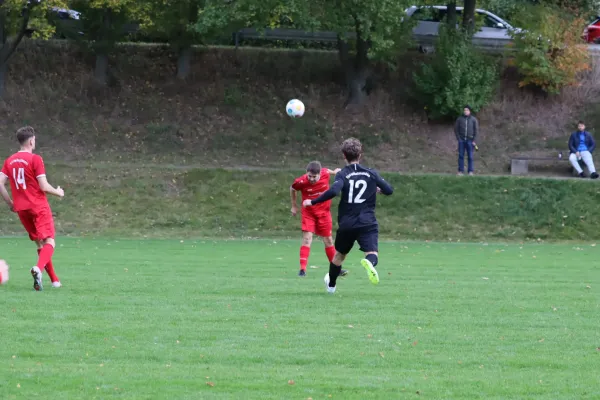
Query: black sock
x,y
372,258
334,272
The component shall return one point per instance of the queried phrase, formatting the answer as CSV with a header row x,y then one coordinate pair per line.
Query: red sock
x,y
51,273
45,256
50,269
330,251
304,253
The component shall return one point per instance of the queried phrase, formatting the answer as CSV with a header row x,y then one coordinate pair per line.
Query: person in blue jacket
x,y
581,146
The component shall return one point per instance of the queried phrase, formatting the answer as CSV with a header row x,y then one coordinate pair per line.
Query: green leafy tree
x,y
456,75
104,23
174,21
17,18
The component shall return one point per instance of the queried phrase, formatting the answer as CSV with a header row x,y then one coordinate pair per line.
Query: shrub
x,y
551,54
456,75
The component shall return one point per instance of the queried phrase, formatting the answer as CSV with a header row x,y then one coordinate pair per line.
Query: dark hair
x,y
314,167
352,149
24,134
468,107
581,123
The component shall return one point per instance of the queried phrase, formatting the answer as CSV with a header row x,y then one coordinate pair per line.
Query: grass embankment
x,y
124,201
231,111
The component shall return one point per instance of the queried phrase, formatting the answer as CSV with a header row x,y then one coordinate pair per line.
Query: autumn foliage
x,y
552,55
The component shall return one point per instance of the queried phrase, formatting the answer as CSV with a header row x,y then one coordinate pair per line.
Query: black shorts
x,y
366,236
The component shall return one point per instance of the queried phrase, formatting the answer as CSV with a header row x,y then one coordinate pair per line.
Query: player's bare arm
x,y
4,192
48,188
333,191
333,172
294,201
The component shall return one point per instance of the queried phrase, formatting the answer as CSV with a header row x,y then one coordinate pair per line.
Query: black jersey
x,y
358,187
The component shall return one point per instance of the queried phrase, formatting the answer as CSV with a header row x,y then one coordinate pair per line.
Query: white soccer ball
x,y
3,272
295,108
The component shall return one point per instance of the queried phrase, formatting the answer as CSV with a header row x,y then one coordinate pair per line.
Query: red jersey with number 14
x,y
312,191
23,169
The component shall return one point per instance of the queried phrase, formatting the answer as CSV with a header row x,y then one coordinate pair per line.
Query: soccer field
x,y
231,320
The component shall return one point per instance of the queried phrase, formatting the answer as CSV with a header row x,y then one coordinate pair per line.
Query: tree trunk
x,y
469,15
101,69
184,62
451,14
357,69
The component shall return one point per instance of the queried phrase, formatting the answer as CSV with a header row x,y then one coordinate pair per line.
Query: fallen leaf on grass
x,y
314,267
350,326
381,354
485,279
210,384
291,382
415,343
18,385
541,340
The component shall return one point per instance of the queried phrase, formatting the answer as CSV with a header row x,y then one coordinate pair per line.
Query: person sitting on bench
x,y
581,146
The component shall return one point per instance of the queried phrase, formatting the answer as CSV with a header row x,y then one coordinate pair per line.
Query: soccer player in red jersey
x,y
315,220
29,186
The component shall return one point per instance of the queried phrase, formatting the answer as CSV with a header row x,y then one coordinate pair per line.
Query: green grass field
x,y
171,319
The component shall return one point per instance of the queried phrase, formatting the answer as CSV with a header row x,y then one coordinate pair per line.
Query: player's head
x,y
26,137
581,126
313,171
352,150
467,110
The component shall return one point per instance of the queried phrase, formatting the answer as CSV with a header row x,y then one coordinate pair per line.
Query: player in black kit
x,y
356,212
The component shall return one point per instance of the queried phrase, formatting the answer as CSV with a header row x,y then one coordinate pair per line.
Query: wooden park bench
x,y
519,165
286,34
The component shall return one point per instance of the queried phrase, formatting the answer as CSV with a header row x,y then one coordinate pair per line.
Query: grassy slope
x,y
231,112
163,319
145,201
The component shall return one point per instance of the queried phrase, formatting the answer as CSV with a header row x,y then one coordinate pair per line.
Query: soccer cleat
x,y
344,272
302,272
56,284
371,271
37,279
326,280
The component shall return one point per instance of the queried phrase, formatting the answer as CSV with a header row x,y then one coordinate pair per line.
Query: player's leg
x,y
27,218
307,238
49,268
324,229
344,241
44,224
369,243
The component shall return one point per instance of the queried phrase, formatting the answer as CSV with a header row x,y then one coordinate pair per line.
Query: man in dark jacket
x,y
466,129
581,146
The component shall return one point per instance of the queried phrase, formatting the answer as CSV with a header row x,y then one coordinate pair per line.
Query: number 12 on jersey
x,y
361,186
19,177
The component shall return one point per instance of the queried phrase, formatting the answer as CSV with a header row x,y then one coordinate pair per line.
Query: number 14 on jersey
x,y
19,178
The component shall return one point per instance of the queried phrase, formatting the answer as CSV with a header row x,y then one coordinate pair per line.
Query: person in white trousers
x,y
581,146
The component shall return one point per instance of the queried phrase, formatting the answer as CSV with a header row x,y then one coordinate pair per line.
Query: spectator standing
x,y
466,129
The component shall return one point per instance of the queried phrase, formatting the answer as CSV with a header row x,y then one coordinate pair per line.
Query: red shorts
x,y
39,223
319,224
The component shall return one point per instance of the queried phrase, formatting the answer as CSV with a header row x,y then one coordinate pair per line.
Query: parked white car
x,y
493,35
